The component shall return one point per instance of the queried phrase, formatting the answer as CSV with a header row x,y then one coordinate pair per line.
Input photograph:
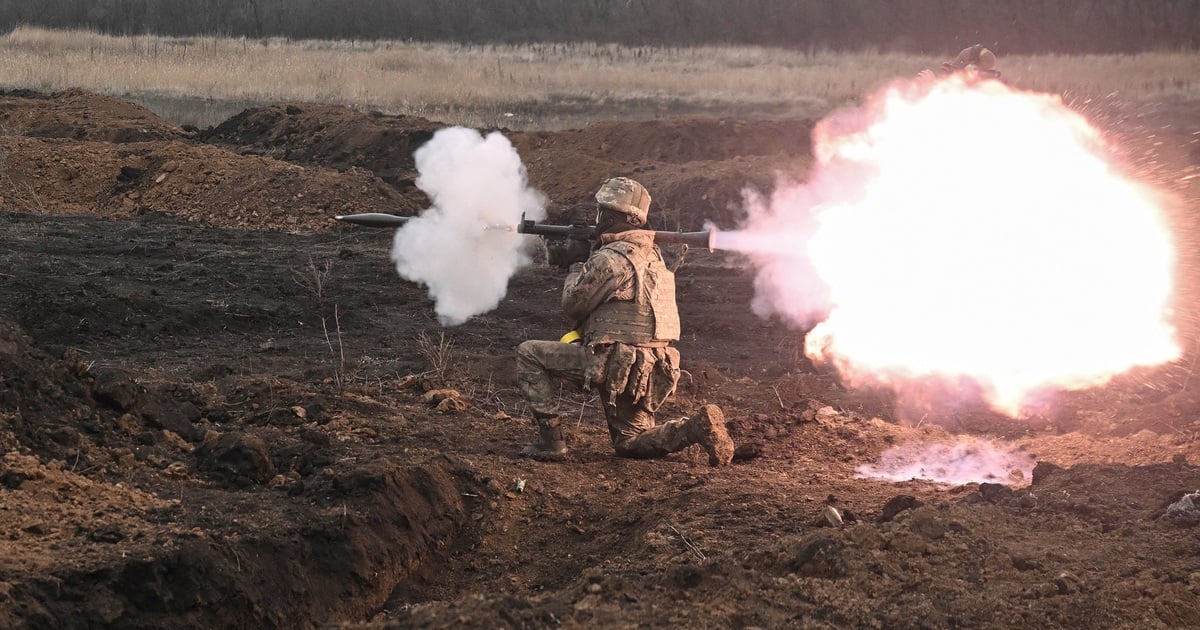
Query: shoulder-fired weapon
x,y
575,231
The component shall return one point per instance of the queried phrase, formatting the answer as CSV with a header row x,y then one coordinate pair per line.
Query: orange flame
x,y
966,230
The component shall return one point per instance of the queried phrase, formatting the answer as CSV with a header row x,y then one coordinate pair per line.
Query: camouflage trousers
x,y
632,382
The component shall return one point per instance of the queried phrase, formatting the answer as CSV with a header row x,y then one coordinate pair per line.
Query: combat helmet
x,y
621,194
978,56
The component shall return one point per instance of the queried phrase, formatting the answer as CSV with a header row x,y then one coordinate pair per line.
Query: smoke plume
x,y
464,247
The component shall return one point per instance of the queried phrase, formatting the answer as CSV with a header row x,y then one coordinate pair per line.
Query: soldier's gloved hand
x,y
562,254
575,268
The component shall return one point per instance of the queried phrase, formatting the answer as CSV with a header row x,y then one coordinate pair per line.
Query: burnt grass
x,y
245,419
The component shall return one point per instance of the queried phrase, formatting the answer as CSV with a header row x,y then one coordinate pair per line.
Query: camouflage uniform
x,y
624,297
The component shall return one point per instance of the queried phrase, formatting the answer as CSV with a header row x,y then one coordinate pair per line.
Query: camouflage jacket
x,y
624,293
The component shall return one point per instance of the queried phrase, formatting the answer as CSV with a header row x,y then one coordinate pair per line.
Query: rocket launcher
x,y
577,232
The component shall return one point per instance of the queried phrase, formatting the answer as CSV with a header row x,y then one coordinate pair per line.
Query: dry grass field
x,y
202,80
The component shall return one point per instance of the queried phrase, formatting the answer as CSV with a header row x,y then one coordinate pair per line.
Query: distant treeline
x,y
1011,26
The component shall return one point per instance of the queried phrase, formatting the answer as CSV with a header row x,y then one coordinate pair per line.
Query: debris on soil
x,y
1186,510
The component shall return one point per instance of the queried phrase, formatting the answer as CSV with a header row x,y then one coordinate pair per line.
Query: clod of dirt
x,y
896,505
446,400
115,387
746,452
819,556
995,492
237,458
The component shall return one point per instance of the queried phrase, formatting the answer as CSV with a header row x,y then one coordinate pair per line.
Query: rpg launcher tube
x,y
706,239
576,232
580,232
583,232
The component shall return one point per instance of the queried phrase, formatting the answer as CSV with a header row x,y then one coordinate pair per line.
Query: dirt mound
x,y
331,136
80,115
695,169
293,166
906,563
196,182
108,422
677,141
122,498
43,400
75,152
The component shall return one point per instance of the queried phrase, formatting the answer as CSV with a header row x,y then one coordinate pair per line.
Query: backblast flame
x,y
968,232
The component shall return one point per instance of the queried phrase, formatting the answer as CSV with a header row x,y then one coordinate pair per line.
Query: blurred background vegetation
x,y
925,26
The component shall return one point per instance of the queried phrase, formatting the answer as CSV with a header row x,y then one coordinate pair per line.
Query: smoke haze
x,y
462,247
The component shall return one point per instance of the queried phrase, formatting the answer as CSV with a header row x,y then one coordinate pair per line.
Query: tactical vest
x,y
651,318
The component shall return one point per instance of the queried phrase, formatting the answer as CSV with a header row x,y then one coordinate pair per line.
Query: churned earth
x,y
220,408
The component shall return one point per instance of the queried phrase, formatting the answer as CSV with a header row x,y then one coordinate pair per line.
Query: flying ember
x,y
967,232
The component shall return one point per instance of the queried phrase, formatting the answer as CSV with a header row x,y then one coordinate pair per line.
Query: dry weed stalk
x,y
688,543
438,353
313,277
338,373
491,396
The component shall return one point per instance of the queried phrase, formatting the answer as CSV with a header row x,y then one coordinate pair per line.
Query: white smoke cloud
x,y
459,247
958,463
775,238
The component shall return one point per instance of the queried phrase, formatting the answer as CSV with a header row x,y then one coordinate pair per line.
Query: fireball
x,y
967,231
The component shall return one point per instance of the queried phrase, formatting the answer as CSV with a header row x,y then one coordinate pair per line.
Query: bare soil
x,y
219,408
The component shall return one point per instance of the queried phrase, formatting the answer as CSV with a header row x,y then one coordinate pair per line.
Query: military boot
x,y
707,428
549,445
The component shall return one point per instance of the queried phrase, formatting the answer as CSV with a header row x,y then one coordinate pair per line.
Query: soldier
x,y
976,61
624,300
